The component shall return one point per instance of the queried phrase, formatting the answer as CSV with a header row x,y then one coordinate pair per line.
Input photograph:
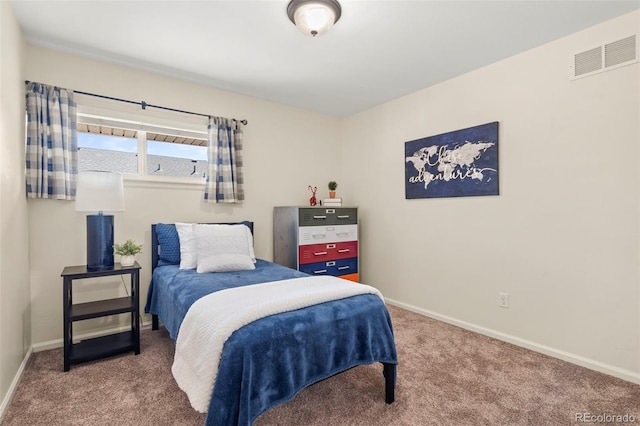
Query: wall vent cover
x,y
588,61
605,57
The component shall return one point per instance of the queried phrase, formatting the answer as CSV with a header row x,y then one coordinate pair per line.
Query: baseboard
x,y
627,375
14,384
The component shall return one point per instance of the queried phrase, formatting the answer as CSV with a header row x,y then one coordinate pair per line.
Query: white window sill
x,y
163,182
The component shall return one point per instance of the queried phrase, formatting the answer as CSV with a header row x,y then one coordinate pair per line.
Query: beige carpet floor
x,y
446,376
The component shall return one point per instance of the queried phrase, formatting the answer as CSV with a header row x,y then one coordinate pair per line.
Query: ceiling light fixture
x,y
314,17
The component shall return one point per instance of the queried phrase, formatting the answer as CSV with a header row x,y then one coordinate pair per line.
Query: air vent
x,y
588,61
605,57
620,51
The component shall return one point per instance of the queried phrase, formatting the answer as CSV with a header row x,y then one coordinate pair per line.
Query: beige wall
x,y
15,316
561,238
285,150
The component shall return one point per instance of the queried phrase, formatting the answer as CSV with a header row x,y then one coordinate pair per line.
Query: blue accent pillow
x,y
169,250
248,224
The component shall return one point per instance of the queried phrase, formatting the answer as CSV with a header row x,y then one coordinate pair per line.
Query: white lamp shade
x,y
99,191
314,17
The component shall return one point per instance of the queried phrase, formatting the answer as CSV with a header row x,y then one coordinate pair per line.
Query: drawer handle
x,y
342,234
343,216
319,217
344,251
320,253
318,235
342,268
320,271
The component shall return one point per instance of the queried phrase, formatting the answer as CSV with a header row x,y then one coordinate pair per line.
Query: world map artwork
x,y
455,164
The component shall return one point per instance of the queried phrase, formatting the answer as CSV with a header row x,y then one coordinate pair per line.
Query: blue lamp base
x,y
99,242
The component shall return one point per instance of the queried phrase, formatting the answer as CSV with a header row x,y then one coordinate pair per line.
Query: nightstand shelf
x,y
101,308
108,345
100,347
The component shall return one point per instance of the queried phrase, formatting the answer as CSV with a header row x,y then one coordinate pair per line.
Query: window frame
x,y
150,124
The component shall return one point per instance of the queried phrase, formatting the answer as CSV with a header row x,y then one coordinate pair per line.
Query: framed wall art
x,y
461,163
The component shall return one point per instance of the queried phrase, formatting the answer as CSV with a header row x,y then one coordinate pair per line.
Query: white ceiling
x,y
378,50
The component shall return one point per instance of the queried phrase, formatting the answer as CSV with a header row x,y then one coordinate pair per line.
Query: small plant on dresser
x,y
333,185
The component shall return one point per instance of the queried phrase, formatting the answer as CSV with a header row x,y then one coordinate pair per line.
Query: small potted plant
x,y
128,250
332,189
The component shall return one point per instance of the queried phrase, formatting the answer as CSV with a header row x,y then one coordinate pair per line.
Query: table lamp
x,y
99,192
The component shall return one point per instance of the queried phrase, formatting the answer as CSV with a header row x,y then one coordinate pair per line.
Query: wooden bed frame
x,y
388,370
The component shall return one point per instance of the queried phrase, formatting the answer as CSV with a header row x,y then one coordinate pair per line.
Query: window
x,y
107,152
140,149
175,158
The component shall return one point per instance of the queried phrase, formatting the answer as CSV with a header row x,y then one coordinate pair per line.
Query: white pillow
x,y
188,257
223,248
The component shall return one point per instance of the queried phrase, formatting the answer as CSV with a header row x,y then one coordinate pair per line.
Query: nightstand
x,y
104,346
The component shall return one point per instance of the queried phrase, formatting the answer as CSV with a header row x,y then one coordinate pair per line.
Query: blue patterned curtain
x,y
52,142
224,172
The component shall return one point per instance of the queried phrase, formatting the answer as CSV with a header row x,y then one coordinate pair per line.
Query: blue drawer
x,y
334,267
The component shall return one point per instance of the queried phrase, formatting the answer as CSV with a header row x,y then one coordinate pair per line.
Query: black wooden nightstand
x,y
112,344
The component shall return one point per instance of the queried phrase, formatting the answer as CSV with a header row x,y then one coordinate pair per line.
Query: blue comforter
x,y
270,360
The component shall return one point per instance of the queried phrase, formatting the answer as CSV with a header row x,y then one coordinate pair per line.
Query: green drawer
x,y
315,216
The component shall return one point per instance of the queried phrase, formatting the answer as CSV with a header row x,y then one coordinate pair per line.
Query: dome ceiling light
x,y
314,17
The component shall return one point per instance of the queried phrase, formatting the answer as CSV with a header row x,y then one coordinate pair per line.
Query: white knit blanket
x,y
212,319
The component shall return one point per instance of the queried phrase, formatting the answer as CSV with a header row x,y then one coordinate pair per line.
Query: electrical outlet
x,y
503,300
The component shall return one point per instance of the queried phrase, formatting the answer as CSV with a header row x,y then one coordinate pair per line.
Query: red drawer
x,y
333,251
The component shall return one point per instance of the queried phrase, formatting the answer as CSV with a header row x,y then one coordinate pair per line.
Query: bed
x,y
268,361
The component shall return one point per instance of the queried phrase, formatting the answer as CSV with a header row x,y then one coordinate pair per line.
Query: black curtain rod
x,y
144,105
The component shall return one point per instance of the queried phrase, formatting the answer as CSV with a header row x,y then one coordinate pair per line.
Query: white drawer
x,y
327,234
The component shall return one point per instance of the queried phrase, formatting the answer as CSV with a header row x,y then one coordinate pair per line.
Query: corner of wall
x,y
15,294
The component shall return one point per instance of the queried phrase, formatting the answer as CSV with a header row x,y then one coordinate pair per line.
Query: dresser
x,y
317,240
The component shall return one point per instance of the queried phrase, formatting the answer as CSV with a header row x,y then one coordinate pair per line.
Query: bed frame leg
x,y
389,372
154,322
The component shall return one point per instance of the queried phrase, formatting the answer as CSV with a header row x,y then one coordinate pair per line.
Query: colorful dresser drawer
x,y
314,216
327,234
324,252
351,277
332,267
